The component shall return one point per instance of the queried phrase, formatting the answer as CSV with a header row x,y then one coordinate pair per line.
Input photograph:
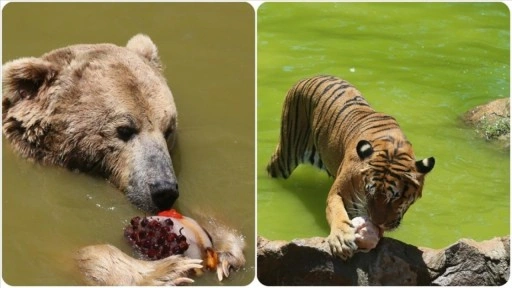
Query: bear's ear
x,y
142,45
24,77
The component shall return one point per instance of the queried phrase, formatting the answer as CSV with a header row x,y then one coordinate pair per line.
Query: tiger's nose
x,y
164,194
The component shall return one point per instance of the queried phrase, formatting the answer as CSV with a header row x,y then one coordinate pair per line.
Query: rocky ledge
x,y
491,121
309,262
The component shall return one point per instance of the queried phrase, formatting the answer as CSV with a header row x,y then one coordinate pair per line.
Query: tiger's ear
x,y
426,165
364,149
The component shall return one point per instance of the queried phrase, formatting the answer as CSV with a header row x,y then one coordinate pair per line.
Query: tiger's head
x,y
391,179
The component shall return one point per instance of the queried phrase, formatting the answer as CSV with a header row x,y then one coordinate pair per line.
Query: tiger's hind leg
x,y
295,141
280,165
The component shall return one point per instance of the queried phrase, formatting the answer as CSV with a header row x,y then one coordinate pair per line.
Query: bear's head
x,y
100,109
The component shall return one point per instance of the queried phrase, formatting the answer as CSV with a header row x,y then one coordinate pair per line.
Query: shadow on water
x,y
312,192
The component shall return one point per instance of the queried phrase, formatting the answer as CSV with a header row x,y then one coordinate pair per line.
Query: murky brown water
x,y
208,50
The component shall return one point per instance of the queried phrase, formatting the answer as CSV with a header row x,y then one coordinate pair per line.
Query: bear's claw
x,y
228,261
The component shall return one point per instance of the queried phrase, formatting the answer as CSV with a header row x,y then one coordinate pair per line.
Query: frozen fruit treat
x,y
367,233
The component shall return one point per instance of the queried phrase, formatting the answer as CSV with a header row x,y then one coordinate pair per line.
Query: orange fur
x,y
327,122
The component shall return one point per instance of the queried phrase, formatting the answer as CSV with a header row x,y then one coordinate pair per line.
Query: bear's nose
x,y
164,194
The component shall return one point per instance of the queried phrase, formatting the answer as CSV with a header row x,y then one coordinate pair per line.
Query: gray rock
x,y
491,121
309,262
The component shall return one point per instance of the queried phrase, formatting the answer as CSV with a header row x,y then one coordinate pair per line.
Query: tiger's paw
x,y
342,242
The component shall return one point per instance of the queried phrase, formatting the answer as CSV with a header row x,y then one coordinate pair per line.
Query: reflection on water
x,y
423,63
208,50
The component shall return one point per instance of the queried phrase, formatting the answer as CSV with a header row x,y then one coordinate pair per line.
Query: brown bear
x,y
101,109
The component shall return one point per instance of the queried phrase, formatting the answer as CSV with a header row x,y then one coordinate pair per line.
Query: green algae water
x,y
208,52
423,63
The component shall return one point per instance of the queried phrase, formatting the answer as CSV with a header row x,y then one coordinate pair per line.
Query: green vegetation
x,y
495,127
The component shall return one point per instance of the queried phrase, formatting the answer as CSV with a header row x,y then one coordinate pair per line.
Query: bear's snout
x,y
164,194
152,183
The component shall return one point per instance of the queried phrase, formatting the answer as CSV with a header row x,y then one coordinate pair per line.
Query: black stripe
x,y
395,164
402,170
345,107
305,85
312,156
401,157
385,129
329,128
295,133
318,84
370,119
343,88
387,138
334,99
347,115
322,80
378,126
354,123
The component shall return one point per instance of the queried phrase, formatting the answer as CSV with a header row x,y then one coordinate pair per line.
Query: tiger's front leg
x,y
342,239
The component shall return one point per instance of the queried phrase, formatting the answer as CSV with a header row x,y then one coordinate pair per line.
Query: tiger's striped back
x,y
325,115
327,122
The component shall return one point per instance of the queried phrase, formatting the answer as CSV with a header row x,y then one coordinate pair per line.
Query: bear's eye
x,y
125,133
168,133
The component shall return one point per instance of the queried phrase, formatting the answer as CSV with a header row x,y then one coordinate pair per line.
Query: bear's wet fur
x,y
97,108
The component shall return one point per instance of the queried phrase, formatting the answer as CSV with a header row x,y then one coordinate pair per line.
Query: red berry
x,y
135,221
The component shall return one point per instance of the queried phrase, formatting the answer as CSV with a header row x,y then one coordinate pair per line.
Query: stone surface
x,y
491,120
309,262
492,110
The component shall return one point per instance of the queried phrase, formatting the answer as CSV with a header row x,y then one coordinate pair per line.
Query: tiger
x,y
326,122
